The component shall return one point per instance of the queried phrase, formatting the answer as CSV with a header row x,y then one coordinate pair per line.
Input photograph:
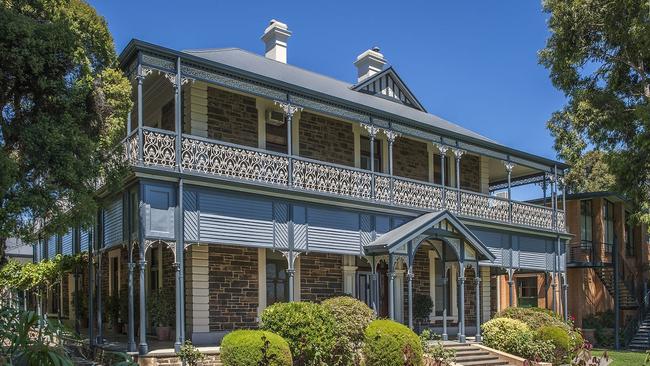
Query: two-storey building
x,y
254,181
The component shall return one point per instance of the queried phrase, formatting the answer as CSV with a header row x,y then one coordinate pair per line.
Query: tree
x,y
63,102
598,54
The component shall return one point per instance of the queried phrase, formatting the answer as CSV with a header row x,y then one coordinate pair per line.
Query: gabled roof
x,y
387,84
265,67
424,224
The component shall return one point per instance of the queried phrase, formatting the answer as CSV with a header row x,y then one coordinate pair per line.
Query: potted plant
x,y
113,311
124,309
162,310
422,308
82,300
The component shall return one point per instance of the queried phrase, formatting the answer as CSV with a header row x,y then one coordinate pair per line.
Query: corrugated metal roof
x,y
253,63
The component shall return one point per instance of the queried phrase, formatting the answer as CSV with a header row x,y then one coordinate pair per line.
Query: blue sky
x,y
471,62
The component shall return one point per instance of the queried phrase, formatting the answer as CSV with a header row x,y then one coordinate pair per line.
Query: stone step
x,y
463,359
471,352
483,363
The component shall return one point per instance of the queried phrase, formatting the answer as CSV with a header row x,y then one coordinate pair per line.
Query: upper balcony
x,y
220,127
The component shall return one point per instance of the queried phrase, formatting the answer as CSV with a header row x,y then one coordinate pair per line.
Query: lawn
x,y
623,358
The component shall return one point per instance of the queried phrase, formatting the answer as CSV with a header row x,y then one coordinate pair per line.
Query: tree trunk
x,y
3,250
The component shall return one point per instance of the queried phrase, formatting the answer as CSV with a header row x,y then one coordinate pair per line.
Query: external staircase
x,y
627,301
468,354
641,340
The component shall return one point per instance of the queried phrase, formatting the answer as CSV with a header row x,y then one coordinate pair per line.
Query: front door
x,y
363,288
382,278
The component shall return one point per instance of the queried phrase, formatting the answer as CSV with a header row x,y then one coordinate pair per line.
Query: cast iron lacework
x,y
233,162
223,80
331,179
159,149
238,162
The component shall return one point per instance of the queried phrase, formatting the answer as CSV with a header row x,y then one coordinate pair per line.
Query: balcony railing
x,y
230,161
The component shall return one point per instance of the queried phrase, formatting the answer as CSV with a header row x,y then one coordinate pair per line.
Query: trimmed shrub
x,y
308,328
560,340
515,337
388,342
352,316
537,318
251,347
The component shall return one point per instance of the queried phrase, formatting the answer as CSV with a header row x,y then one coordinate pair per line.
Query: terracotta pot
x,y
590,335
163,333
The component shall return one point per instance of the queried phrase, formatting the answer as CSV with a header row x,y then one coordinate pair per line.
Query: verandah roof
x,y
427,225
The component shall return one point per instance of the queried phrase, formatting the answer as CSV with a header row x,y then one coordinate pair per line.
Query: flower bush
x,y
388,343
255,347
309,329
515,337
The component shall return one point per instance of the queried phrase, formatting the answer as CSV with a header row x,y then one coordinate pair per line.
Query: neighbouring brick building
x,y
254,182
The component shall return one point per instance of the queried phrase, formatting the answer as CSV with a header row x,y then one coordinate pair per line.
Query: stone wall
x,y
233,287
470,297
470,173
326,139
411,159
321,276
232,117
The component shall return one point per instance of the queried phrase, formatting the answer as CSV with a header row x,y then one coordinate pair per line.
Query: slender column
x,y
477,282
143,346
445,284
565,291
461,300
509,167
457,155
177,270
391,136
617,295
131,325
181,279
511,288
372,134
142,74
544,187
443,153
409,278
100,308
91,287
291,272
289,109
391,287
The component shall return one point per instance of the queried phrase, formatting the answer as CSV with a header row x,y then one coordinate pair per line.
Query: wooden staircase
x,y
468,354
627,301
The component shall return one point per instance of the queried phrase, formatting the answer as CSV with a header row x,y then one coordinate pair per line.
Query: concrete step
x,y
463,359
482,363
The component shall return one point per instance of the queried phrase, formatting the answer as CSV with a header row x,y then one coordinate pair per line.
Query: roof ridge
x,y
271,60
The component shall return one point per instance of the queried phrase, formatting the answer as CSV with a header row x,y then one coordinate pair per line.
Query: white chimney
x,y
369,63
275,40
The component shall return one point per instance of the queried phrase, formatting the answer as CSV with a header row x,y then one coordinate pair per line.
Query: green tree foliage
x,y
63,104
598,54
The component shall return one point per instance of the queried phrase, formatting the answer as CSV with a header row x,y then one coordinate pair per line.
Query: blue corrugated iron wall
x,y
51,246
113,223
85,240
66,243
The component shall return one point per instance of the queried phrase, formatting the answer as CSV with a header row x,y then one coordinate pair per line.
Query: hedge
x,y
387,342
244,348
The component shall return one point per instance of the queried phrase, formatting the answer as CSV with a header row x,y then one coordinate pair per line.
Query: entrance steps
x,y
641,340
468,354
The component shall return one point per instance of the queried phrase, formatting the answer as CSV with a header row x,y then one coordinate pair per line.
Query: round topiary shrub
x,y
309,329
515,337
388,343
560,339
352,316
251,347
